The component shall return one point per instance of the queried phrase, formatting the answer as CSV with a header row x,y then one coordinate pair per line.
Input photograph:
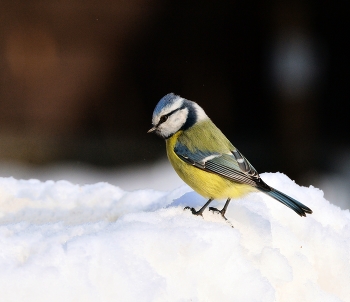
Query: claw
x,y
194,212
200,211
214,209
222,213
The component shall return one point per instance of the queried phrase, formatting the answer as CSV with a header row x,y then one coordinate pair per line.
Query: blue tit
x,y
205,159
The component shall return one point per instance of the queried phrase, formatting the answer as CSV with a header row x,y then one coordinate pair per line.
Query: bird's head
x,y
174,113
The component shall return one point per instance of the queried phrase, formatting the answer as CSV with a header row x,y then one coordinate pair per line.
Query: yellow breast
x,y
204,183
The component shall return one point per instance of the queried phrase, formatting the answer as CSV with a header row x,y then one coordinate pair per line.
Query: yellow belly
x,y
204,183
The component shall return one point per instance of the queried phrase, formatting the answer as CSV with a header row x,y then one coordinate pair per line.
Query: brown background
x,y
79,79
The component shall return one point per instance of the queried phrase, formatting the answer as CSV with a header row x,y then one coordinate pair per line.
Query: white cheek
x,y
174,123
179,118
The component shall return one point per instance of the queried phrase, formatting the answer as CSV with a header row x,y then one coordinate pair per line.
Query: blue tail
x,y
290,202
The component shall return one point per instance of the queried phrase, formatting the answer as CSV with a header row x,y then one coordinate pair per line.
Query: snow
x,y
61,241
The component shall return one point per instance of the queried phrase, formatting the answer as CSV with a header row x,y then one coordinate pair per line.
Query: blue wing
x,y
233,166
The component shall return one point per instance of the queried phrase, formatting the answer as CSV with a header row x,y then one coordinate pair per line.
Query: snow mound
x,y
64,242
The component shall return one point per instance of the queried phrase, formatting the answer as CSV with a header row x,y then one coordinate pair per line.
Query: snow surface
x,y
65,242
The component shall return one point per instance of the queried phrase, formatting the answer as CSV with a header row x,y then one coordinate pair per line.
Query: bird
x,y
206,160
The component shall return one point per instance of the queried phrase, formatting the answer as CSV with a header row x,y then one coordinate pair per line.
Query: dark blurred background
x,y
79,79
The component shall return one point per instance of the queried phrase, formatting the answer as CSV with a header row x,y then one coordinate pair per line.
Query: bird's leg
x,y
223,211
201,210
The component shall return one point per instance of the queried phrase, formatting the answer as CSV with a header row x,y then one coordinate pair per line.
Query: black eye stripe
x,y
164,117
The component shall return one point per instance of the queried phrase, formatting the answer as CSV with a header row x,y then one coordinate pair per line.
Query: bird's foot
x,y
215,210
222,213
194,212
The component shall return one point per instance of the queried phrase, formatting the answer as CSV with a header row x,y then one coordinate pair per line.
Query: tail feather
x,y
290,202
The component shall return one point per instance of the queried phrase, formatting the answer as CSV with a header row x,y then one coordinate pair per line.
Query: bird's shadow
x,y
190,199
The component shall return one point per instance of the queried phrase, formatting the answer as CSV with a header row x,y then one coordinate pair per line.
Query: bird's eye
x,y
163,118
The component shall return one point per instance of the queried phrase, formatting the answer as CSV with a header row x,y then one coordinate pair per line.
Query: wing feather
x,y
232,166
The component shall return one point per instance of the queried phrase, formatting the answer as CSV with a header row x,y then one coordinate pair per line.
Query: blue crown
x,y
165,101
